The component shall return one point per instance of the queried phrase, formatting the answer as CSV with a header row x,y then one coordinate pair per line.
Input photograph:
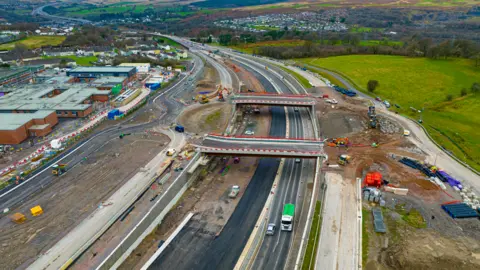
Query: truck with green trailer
x,y
287,217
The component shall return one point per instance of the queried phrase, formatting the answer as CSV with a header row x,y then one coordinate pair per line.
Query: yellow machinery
x,y
59,169
18,218
203,99
338,142
36,211
343,159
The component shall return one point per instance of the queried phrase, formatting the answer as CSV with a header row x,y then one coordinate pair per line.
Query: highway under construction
x,y
145,190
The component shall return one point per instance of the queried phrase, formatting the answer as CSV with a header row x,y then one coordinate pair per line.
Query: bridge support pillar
x,y
313,116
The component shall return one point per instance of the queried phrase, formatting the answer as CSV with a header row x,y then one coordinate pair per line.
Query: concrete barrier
x,y
151,220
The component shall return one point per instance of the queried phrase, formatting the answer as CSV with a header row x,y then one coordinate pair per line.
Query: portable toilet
x,y
18,218
36,211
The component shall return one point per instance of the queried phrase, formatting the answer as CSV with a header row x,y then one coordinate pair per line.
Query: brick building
x,y
17,127
33,110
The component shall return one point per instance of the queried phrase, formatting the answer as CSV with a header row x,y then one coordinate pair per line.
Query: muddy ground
x,y
434,240
208,198
249,81
210,79
206,118
73,197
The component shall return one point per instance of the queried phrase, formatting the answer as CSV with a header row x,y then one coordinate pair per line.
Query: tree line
x,y
424,47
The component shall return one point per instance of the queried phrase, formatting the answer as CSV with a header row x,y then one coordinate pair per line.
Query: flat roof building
x,y
12,76
97,72
141,67
17,127
34,109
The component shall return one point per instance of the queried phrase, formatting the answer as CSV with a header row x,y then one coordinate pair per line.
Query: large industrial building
x,y
86,74
34,109
16,127
14,76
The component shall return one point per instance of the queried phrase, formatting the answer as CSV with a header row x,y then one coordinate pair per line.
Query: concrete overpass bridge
x,y
261,146
269,99
273,99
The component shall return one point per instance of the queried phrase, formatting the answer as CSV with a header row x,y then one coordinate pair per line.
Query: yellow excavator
x,y
59,169
343,159
202,99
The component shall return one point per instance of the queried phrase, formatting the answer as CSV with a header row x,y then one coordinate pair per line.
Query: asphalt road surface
x,y
274,250
197,245
13,195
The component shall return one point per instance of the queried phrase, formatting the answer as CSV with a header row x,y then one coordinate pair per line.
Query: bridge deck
x,y
262,146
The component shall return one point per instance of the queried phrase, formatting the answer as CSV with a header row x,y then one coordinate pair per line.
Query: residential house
x,y
182,54
59,51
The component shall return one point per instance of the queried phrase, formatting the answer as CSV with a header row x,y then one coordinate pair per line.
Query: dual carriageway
x,y
222,252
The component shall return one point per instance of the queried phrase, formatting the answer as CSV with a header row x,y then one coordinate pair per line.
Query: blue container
x,y
180,129
111,114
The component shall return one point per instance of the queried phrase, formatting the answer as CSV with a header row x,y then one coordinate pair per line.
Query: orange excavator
x,y
338,142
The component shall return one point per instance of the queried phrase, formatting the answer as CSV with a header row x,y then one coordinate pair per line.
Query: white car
x,y
332,101
249,132
171,152
271,229
387,104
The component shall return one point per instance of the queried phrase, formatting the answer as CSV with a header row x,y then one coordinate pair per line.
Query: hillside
x,y
422,83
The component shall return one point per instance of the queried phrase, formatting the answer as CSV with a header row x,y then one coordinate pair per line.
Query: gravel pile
x,y
387,126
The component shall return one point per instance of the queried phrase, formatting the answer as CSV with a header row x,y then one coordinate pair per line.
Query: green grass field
x,y
167,41
33,42
297,76
422,83
81,61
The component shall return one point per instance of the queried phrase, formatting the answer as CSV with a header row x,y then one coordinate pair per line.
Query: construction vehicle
x,y
373,116
343,159
18,218
220,96
171,152
123,135
338,142
59,169
203,99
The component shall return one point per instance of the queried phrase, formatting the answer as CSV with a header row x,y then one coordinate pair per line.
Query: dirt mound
x,y
428,249
207,84
206,118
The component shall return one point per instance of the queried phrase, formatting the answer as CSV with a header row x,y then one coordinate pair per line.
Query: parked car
x,y
249,132
387,104
297,160
331,101
378,99
271,229
396,105
234,190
